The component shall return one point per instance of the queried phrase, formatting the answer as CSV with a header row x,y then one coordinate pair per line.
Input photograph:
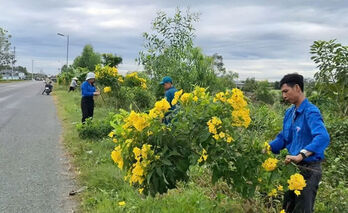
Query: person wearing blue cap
x,y
170,90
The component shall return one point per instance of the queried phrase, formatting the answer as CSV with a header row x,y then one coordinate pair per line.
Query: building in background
x,y
7,75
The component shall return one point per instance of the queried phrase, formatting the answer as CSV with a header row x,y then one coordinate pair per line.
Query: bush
x,y
94,129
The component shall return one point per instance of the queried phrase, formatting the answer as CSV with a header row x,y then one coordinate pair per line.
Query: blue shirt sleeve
x,y
279,142
321,138
87,89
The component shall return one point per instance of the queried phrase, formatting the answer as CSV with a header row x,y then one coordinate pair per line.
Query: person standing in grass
x,y
170,90
305,137
73,84
88,91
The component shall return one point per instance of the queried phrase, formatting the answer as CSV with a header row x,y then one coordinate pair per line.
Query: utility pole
x,y
32,70
13,60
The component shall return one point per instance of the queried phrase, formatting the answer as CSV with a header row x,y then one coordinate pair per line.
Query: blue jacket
x,y
170,96
303,128
87,89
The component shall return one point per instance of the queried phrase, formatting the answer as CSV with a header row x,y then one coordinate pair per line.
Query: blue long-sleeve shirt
x,y
170,96
303,128
87,89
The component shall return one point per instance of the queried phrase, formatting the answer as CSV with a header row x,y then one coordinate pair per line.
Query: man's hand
x,y
291,158
97,93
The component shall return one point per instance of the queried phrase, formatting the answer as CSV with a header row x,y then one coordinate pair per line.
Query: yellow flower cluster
x,y
160,108
116,156
105,72
235,98
297,183
120,79
121,203
214,124
137,120
199,92
176,97
142,155
282,211
107,89
267,147
270,164
274,192
204,156
185,97
135,76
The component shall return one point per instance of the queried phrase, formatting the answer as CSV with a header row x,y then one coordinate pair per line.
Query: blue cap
x,y
166,79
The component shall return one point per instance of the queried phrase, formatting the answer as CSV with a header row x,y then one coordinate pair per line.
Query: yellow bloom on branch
x,y
204,156
116,156
176,97
280,188
141,190
107,89
229,139
111,134
185,97
282,211
120,79
267,147
270,164
297,192
273,193
122,203
296,182
221,134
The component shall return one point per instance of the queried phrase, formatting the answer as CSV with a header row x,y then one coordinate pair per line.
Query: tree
x,y
111,60
88,59
5,55
332,77
263,93
250,85
169,50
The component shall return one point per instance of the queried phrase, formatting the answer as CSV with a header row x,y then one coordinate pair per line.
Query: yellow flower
x,y
296,182
157,157
241,117
259,179
220,97
282,211
137,153
122,203
114,140
221,134
141,190
216,137
270,164
185,97
176,97
149,133
267,147
111,134
143,85
195,99
203,157
120,79
280,188
107,89
116,156
273,193
229,139
297,192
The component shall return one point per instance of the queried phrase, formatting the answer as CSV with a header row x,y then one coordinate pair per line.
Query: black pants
x,y
304,203
87,107
71,89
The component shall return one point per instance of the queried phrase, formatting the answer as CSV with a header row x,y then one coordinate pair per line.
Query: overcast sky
x,y
264,39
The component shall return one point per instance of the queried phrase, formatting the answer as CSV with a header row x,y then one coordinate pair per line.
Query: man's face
x,y
91,80
291,94
167,85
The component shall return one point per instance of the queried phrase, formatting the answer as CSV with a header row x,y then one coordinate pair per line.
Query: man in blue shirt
x,y
88,91
170,91
305,137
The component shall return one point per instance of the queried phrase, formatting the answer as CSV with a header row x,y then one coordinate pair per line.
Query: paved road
x,y
34,173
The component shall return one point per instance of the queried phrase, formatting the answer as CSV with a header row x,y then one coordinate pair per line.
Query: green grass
x,y
105,183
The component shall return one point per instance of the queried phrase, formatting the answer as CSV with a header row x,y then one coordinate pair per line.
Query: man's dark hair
x,y
292,79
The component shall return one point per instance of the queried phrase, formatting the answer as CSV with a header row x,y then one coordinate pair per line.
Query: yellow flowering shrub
x,y
270,164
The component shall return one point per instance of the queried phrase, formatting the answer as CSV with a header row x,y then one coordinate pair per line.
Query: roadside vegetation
x,y
213,156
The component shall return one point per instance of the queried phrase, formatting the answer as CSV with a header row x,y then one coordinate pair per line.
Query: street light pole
x,y
67,48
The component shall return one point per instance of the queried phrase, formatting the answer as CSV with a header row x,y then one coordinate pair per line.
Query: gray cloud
x,y
259,38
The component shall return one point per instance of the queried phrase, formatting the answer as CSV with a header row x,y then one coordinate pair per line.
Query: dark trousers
x,y
304,203
71,89
87,107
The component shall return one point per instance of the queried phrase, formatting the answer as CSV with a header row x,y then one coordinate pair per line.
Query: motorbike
x,y
48,89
